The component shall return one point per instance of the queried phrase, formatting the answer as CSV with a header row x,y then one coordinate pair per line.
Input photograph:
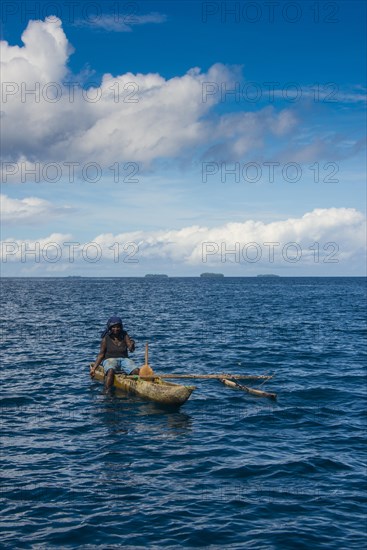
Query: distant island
x,y
211,275
156,276
268,275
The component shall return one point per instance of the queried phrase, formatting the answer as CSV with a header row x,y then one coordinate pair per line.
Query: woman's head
x,y
114,324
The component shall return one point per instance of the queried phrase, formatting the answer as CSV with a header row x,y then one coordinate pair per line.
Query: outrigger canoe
x,y
158,390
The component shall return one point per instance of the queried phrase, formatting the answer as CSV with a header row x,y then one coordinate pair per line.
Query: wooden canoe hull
x,y
165,393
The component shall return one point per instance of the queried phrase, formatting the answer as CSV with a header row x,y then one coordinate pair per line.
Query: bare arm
x,y
130,342
100,356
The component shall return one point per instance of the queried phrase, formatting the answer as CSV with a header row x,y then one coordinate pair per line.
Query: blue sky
x,y
230,127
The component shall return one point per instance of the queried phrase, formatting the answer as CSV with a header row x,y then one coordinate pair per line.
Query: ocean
x,y
84,469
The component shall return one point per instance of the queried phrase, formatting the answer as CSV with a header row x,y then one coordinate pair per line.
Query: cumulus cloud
x,y
42,58
237,134
343,226
130,117
35,252
323,236
28,210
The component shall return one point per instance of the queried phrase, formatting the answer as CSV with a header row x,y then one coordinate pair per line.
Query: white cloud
x,y
331,93
339,232
42,58
131,117
323,147
28,210
343,226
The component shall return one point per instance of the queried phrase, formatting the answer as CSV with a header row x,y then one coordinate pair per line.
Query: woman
x,y
113,353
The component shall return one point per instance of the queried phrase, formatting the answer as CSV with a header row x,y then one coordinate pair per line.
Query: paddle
x,y
146,370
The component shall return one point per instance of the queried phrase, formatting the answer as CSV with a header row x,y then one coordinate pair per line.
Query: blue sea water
x,y
82,469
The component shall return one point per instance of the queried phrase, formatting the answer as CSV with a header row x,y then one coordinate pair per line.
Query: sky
x,y
182,138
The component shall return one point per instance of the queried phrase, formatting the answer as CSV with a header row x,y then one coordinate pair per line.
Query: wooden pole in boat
x,y
146,370
220,376
209,376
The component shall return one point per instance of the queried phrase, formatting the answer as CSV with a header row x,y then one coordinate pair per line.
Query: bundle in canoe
x,y
155,389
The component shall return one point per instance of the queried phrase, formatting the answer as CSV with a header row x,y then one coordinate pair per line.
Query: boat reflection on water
x,y
126,413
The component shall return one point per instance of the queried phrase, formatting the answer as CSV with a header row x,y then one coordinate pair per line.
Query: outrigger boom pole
x,y
209,376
